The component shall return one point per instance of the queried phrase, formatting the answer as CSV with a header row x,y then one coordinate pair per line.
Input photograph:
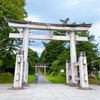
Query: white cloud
x,y
72,2
95,29
32,18
37,49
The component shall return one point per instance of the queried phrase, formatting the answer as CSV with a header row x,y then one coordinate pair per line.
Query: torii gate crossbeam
x,y
47,37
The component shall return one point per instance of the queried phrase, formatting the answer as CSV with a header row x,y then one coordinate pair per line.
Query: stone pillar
x,y
25,48
27,73
73,56
67,73
35,69
83,71
44,70
18,70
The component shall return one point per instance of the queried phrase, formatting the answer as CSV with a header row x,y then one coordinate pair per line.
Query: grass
x,y
98,78
59,79
31,78
10,79
55,79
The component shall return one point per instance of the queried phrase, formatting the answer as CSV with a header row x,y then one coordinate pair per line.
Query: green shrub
x,y
31,78
6,78
52,73
98,78
62,74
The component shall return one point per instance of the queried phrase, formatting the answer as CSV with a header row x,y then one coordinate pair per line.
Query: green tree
x,y
13,9
65,21
32,60
91,50
51,52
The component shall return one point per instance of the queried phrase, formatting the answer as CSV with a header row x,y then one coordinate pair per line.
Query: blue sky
x,y
51,11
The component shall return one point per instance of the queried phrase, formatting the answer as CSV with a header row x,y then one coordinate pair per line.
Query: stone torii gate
x,y
37,67
26,35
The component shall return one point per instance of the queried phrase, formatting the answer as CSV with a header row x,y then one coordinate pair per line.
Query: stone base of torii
x,y
18,76
81,77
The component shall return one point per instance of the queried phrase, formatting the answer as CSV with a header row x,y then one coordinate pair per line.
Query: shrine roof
x,y
47,24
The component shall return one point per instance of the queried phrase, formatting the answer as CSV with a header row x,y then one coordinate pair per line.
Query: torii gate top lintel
x,y
47,26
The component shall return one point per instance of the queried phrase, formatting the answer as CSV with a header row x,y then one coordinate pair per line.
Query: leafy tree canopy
x,y
91,50
13,9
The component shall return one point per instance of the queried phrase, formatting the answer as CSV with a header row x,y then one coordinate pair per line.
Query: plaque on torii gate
x,y
26,35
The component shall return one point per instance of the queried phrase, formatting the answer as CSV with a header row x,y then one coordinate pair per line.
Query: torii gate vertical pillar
x,y
25,48
73,56
44,70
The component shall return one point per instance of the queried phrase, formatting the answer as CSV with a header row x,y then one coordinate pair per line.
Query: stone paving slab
x,y
49,92
44,90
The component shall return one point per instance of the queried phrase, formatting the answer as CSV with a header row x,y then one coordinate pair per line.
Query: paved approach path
x,y
49,92
45,91
43,80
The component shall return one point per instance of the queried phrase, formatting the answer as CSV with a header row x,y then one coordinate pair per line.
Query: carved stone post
x,y
27,73
67,73
18,76
83,71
